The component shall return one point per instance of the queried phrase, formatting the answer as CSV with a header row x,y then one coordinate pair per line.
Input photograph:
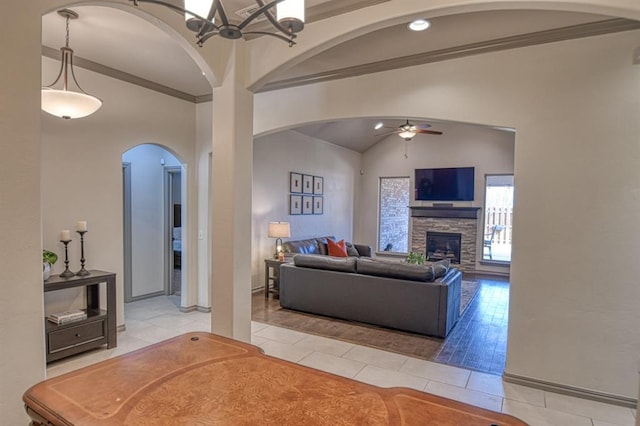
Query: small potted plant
x,y
415,258
49,258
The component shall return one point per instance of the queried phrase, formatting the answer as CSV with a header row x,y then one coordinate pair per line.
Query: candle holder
x,y
67,273
82,272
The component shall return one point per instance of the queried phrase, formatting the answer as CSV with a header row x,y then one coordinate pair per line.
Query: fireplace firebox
x,y
443,245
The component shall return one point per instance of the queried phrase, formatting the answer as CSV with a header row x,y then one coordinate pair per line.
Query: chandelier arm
x,y
205,37
260,11
272,19
59,72
207,28
73,75
176,8
223,16
281,37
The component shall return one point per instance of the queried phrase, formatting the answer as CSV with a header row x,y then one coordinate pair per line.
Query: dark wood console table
x,y
100,326
204,379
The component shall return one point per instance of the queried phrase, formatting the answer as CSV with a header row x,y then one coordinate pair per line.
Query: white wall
x,y
462,145
82,165
574,298
274,157
148,217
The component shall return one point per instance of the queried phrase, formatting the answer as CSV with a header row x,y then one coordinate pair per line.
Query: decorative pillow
x,y
351,250
441,268
337,249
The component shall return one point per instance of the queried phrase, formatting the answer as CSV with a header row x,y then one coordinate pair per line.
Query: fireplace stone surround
x,y
462,220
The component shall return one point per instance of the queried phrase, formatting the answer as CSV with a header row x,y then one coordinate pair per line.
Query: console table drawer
x,y
77,335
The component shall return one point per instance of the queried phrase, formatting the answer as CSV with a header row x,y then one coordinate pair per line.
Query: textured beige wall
x,y
572,320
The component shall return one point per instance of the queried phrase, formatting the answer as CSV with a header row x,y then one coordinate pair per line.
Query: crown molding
x,y
540,37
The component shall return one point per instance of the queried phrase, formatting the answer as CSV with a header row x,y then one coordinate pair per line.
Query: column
x,y
231,181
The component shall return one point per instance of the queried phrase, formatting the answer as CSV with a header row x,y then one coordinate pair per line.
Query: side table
x,y
272,275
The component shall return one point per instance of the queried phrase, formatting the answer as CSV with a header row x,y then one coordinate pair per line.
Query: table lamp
x,y
279,230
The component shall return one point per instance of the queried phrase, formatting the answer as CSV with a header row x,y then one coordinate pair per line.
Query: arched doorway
x,y
153,221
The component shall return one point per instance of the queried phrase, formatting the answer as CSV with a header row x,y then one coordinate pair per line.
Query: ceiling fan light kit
x,y
207,18
63,102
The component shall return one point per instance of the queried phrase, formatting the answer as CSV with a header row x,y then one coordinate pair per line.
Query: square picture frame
x,y
295,204
295,182
318,185
307,184
318,205
307,204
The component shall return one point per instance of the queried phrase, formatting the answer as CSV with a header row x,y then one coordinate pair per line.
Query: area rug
x,y
415,345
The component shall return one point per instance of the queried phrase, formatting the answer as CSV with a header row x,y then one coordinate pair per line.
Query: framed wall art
x,y
307,184
295,182
318,205
307,204
318,185
295,204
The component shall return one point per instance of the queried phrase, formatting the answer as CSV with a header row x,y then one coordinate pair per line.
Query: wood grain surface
x,y
204,379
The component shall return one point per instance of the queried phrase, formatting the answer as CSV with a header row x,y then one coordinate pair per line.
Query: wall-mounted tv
x,y
452,184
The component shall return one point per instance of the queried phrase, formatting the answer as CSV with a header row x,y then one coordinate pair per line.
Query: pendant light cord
x,y
67,37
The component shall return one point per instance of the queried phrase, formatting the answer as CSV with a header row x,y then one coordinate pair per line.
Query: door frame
x,y
126,225
169,176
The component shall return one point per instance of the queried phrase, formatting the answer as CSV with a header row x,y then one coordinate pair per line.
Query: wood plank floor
x,y
477,342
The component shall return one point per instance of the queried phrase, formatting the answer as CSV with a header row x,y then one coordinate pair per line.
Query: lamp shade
x,y
279,230
290,13
199,7
68,104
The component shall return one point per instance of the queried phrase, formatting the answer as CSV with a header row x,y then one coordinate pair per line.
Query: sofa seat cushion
x,y
340,264
403,271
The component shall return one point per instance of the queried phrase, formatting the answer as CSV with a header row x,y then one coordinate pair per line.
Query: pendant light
x,y
63,102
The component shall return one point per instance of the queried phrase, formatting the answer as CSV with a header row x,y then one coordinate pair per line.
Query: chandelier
x,y
207,18
64,102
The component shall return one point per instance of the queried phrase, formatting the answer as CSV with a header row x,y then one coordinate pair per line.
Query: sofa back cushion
x,y
339,264
403,271
308,246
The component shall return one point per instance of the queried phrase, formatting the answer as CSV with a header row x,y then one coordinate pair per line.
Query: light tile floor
x,y
152,320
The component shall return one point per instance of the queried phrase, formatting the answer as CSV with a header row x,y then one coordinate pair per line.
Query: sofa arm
x,y
363,250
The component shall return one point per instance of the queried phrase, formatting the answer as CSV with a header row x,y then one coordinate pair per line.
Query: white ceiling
x,y
122,41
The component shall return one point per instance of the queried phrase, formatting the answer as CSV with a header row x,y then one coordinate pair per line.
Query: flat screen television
x,y
451,184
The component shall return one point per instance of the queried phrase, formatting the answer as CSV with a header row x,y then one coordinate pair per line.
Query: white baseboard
x,y
571,390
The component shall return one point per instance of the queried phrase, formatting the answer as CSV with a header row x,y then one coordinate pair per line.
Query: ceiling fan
x,y
407,131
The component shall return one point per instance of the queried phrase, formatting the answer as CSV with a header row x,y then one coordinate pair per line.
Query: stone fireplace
x,y
444,221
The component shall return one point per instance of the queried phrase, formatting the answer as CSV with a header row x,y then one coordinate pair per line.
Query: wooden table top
x,y
205,379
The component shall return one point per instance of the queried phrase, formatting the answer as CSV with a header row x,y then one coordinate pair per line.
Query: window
x,y
393,234
498,217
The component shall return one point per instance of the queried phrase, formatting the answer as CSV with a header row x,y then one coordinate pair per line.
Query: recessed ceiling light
x,y
379,126
419,25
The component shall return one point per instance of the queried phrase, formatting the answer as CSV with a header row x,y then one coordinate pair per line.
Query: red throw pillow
x,y
338,249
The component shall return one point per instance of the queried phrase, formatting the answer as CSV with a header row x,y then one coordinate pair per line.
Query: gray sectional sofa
x,y
319,246
417,299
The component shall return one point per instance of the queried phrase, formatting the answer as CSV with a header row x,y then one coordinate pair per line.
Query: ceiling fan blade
x,y
386,133
428,132
422,126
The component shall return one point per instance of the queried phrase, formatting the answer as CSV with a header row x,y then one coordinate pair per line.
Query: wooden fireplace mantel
x,y
445,212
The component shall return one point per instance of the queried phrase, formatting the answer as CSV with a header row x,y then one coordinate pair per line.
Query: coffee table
x,y
205,379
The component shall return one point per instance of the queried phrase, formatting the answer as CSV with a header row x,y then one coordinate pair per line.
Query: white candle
x,y
65,235
81,225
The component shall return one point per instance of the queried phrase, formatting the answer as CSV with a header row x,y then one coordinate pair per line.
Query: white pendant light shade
x,y
290,13
68,104
199,7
